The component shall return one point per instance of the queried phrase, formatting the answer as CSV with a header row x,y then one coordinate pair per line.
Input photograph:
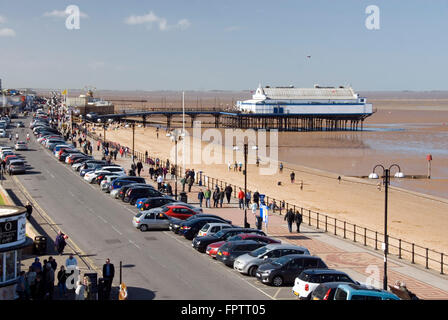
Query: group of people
x,y
38,283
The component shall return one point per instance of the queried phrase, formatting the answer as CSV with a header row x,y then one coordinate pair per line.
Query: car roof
x,y
284,246
240,242
324,271
331,285
214,224
362,288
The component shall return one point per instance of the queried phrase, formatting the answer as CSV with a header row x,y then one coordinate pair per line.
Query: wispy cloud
x,y
95,65
7,32
151,18
62,14
2,19
232,28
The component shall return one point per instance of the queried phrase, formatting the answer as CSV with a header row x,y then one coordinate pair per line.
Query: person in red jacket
x,y
241,197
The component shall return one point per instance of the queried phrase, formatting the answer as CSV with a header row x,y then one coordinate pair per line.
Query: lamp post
x,y
175,137
386,181
246,151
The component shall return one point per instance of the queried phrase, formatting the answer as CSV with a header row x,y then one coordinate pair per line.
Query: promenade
x,y
358,261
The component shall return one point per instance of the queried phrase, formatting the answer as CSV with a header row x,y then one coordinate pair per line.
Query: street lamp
x,y
246,151
175,137
386,181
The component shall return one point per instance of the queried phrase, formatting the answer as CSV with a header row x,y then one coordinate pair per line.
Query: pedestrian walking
x,y
298,219
207,195
60,242
248,198
80,290
241,197
139,167
228,190
293,177
62,279
20,287
49,280
281,167
221,197
190,182
200,197
159,182
257,197
29,210
71,261
215,198
289,217
183,181
108,276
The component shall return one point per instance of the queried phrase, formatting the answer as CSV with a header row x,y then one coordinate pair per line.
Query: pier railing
x,y
400,248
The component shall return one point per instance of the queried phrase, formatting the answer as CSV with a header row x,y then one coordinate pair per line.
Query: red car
x,y
179,211
212,249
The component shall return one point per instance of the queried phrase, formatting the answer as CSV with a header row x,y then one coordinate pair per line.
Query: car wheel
x,y
277,281
132,202
252,271
143,228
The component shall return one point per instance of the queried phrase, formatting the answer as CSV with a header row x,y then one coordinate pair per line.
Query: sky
x,y
224,45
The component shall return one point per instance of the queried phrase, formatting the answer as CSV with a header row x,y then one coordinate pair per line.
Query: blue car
x,y
122,181
362,292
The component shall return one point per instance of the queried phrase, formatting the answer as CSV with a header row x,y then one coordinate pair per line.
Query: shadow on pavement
x,y
135,293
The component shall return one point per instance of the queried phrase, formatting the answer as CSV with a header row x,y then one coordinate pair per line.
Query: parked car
x,y
124,189
150,203
231,250
175,223
106,182
150,220
126,180
212,228
201,243
212,249
91,176
21,145
19,124
249,263
191,228
179,211
3,133
138,192
310,279
325,291
362,292
284,270
16,166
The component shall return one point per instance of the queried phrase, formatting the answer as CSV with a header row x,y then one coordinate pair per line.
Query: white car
x,y
310,279
104,185
21,145
91,176
2,133
212,228
115,169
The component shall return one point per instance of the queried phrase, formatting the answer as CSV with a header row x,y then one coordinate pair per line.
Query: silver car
x,y
150,220
16,166
248,263
104,185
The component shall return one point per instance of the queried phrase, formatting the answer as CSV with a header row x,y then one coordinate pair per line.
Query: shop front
x,y
12,240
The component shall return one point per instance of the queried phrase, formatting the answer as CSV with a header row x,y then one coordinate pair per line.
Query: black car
x,y
68,152
231,250
201,243
125,188
176,224
284,270
134,179
156,202
140,192
190,229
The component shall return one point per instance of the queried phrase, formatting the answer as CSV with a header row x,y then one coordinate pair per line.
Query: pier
x,y
238,120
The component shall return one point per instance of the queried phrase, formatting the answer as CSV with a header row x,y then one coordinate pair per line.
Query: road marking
x,y
134,243
117,230
102,219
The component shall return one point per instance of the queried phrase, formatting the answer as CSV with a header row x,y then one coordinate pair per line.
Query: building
x,y
317,101
12,240
87,103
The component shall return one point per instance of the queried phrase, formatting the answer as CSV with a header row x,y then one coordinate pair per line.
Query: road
x,y
157,264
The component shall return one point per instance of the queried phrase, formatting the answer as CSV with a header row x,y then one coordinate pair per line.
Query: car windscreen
x,y
259,252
